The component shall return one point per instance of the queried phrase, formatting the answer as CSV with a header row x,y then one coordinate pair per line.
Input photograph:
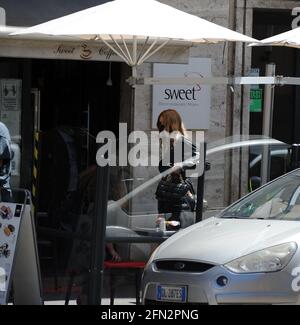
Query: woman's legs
x,y
173,209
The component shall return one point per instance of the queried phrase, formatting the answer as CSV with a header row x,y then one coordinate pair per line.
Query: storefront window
x,y
135,226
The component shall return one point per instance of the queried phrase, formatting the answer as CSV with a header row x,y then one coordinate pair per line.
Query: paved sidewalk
x,y
105,301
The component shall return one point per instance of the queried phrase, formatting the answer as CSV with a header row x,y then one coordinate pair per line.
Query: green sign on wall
x,y
256,100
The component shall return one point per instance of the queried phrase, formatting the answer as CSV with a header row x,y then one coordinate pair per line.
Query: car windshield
x,y
279,200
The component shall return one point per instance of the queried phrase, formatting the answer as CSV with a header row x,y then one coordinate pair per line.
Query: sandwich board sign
x,y
10,220
18,253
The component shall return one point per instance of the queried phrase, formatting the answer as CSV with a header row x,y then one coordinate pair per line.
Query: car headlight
x,y
271,259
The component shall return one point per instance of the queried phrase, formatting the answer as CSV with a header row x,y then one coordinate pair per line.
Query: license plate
x,y
171,293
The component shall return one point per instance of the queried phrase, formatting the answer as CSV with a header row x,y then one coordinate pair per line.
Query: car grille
x,y
183,266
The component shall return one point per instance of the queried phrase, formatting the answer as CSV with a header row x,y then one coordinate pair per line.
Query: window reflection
x,y
279,200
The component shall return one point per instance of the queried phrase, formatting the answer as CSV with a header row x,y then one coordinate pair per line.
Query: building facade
x,y
229,113
73,89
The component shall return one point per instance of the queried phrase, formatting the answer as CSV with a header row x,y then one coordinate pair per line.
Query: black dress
x,y
175,207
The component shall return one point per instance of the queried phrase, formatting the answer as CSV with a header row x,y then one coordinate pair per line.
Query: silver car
x,y
249,254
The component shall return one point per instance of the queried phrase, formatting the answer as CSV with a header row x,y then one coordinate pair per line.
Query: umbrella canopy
x,y
125,25
290,38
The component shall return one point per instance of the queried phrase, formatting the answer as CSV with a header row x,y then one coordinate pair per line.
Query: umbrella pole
x,y
131,125
132,104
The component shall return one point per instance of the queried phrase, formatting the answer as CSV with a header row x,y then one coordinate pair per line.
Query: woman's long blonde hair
x,y
171,120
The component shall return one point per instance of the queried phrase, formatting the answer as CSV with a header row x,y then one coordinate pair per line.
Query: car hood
x,y
220,241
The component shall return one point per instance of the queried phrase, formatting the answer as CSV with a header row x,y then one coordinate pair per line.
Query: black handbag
x,y
175,189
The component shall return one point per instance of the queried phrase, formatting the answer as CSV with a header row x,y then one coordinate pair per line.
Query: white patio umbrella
x,y
136,29
290,39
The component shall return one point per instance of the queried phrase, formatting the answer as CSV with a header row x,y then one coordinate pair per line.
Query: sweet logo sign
x,y
191,100
184,93
86,52
181,94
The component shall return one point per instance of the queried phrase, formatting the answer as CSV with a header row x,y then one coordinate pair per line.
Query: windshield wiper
x,y
234,217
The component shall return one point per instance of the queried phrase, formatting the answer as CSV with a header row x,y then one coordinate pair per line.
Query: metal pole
x,y
132,104
295,156
200,192
98,237
267,124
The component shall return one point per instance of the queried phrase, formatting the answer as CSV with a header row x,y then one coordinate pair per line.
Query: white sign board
x,y
26,272
10,94
191,102
10,218
10,105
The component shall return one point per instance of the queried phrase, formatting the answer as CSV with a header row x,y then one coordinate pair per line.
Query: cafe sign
x,y
192,102
57,50
80,50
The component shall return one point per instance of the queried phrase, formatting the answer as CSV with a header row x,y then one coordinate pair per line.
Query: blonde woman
x,y
175,192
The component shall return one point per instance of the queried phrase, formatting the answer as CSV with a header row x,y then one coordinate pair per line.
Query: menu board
x,y
10,219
